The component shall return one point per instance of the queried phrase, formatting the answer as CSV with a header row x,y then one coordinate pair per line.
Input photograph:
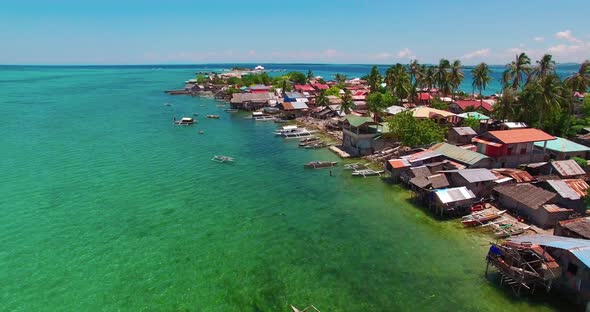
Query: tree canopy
x,y
415,132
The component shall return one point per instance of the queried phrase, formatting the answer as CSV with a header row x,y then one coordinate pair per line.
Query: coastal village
x,y
514,164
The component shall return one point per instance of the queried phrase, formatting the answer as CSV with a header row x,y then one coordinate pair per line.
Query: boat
x,y
222,159
356,166
320,164
201,132
510,230
231,110
367,173
316,145
293,132
185,121
481,217
260,116
213,116
308,141
195,114
167,104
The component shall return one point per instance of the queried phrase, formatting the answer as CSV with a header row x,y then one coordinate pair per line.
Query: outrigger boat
x,y
320,164
311,141
481,217
294,132
367,173
356,166
316,145
510,230
185,121
222,159
213,116
260,116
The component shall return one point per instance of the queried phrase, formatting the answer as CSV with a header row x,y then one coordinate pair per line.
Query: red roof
x,y
464,104
521,136
399,163
361,92
302,88
321,86
424,96
258,91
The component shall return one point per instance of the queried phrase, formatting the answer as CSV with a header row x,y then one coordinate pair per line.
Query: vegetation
x,y
321,99
377,102
310,75
297,77
471,122
374,80
347,104
335,91
439,104
415,132
340,79
481,78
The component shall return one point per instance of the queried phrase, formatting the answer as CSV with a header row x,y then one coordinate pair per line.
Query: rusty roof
x,y
580,226
521,135
519,176
399,163
464,131
567,168
421,171
438,181
564,190
526,194
553,208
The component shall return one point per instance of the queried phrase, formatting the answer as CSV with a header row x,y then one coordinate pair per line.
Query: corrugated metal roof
x,y
579,247
474,115
561,188
251,97
526,194
521,135
399,163
578,185
421,171
456,194
476,175
294,95
580,226
420,182
421,156
553,208
428,112
567,168
516,174
394,109
458,154
563,145
464,131
438,181
357,121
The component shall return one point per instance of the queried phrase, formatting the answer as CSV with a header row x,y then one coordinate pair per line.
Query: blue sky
x,y
319,31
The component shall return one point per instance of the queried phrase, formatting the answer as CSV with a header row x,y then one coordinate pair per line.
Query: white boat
x,y
294,132
366,173
356,166
222,159
260,116
185,121
231,110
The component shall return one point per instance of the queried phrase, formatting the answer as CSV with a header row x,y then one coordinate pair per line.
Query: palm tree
x,y
456,76
321,99
374,79
518,68
309,75
544,67
506,79
430,78
442,76
504,105
550,97
402,83
414,70
481,78
340,78
580,81
347,103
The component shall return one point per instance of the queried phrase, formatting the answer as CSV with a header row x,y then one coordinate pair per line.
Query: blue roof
x,y
294,95
563,145
579,247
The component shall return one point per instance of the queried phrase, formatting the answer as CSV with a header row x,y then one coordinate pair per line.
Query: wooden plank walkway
x,y
339,152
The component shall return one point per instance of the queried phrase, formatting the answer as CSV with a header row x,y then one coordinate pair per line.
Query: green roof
x,y
563,145
459,154
474,115
356,121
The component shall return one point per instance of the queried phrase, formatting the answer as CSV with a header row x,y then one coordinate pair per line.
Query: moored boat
x,y
185,121
316,145
260,116
367,173
222,159
231,110
213,116
320,164
481,217
511,231
294,132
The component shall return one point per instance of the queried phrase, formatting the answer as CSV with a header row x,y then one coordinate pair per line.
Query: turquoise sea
x,y
105,205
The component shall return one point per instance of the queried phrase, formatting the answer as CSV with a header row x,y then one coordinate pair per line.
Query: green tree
x,y
297,77
347,103
200,79
518,69
309,75
439,104
481,78
340,79
545,66
321,99
414,69
377,102
415,132
333,90
580,81
374,79
471,122
398,81
456,76
442,77
550,96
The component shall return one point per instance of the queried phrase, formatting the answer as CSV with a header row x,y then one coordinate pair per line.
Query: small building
x,y
462,106
303,88
320,86
570,193
413,172
532,202
460,135
259,89
334,100
252,101
453,200
295,97
294,109
510,148
441,117
480,181
394,168
563,149
573,256
394,110
565,169
359,135
462,156
515,175
424,98
575,228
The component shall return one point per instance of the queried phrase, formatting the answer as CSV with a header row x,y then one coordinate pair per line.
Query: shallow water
x,y
106,205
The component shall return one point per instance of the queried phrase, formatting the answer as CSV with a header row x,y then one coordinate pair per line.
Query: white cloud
x,y
567,35
539,39
381,56
478,53
404,53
